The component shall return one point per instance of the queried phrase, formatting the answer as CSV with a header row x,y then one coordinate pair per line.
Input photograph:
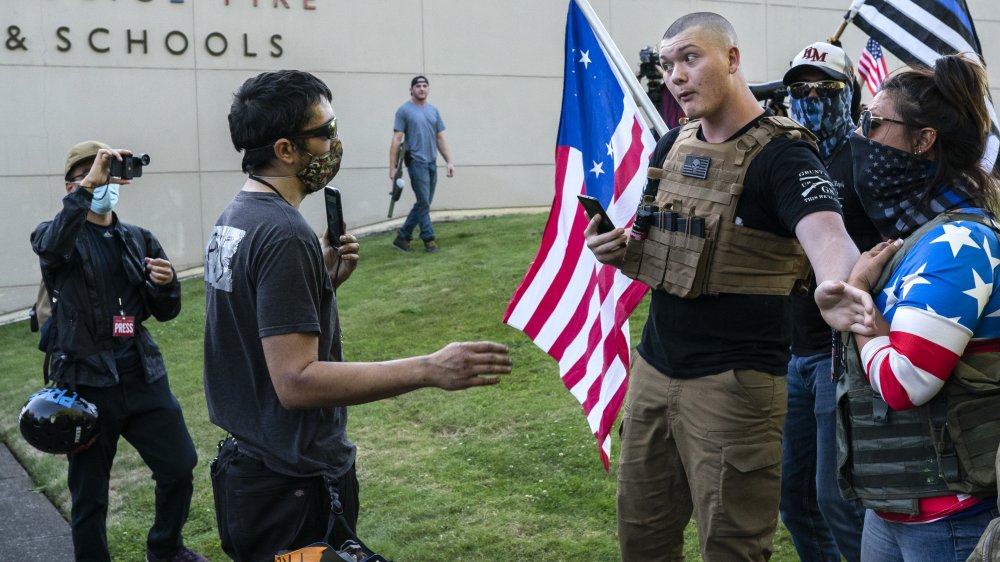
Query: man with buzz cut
x,y
737,206
275,376
420,125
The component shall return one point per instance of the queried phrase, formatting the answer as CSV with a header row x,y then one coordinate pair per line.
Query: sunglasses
x,y
825,88
871,122
327,130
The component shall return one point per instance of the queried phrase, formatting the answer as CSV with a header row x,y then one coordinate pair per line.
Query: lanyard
x,y
274,189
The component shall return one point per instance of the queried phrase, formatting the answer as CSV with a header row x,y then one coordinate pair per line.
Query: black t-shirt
x,y
123,297
265,276
810,333
687,338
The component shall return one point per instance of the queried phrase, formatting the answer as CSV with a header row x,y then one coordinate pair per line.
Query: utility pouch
x,y
697,246
973,422
687,264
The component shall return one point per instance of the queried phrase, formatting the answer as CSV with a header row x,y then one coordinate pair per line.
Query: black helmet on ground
x,y
58,421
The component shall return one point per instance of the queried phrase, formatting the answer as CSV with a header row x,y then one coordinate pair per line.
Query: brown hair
x,y
950,99
714,23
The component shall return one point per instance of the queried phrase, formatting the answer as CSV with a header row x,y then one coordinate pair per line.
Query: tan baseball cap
x,y
824,57
81,152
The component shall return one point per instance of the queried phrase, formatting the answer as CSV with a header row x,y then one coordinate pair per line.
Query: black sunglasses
x,y
871,122
327,130
825,88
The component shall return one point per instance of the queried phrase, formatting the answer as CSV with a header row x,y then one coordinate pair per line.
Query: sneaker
x,y
182,555
402,244
431,246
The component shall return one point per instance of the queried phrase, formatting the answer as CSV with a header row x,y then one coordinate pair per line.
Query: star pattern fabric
x,y
889,184
943,294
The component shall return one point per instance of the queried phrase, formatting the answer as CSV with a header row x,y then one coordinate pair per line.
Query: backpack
x,y
40,317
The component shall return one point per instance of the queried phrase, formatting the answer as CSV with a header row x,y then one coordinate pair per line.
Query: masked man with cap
x,y
421,125
106,278
824,97
275,376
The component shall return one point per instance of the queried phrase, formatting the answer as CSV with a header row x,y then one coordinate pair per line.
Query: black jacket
x,y
82,351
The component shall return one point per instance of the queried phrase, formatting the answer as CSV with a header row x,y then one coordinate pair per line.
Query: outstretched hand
x,y
462,365
846,308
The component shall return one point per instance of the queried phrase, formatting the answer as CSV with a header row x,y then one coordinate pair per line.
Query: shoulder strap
x,y
52,294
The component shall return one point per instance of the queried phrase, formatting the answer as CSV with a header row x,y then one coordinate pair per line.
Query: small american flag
x,y
872,66
573,307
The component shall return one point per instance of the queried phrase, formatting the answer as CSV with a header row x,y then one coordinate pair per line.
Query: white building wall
x,y
495,70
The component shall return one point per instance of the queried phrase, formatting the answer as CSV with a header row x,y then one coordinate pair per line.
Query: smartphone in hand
x,y
593,207
334,215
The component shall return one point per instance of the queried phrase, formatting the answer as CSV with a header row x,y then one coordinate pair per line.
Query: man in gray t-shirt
x,y
420,124
275,379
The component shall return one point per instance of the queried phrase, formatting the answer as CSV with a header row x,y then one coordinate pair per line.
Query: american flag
x,y
573,307
920,31
872,66
943,303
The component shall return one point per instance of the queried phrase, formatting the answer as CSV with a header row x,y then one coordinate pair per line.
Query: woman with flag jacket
x,y
920,398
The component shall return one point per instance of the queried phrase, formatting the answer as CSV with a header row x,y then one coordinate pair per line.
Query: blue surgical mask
x,y
105,198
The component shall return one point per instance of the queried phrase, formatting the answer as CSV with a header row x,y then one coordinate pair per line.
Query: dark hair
x,y
709,20
949,98
271,106
418,78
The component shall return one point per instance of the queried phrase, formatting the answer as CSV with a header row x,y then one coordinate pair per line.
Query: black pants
x,y
149,417
261,512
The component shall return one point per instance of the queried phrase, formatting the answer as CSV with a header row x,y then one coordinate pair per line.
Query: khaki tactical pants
x,y
709,446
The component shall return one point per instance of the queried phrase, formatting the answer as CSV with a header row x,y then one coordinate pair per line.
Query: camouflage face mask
x,y
322,168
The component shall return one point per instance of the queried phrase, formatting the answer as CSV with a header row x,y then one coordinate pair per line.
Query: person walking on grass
x,y
420,125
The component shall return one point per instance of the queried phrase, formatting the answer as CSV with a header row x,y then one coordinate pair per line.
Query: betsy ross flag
x,y
573,307
872,66
921,31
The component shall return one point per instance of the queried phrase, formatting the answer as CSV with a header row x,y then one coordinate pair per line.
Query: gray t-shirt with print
x,y
265,276
420,125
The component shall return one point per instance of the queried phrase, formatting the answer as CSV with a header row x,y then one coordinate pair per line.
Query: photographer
x,y
656,90
106,278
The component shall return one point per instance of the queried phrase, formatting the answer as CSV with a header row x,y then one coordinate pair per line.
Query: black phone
x,y
334,215
593,207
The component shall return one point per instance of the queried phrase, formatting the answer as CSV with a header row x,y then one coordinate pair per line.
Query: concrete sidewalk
x,y
30,526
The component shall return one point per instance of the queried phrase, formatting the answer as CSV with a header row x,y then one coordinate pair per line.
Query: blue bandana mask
x,y
105,199
829,118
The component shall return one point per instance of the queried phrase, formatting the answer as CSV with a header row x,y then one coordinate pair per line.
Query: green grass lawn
x,y
503,473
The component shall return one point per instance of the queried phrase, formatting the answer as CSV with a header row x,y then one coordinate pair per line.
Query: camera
x,y
649,65
129,166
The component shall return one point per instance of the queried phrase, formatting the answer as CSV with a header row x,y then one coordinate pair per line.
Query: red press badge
x,y
124,326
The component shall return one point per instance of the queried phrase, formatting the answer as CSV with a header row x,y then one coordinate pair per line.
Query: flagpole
x,y
848,17
638,94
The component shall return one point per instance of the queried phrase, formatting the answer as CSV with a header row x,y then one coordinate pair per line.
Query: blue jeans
x,y
423,178
941,541
823,525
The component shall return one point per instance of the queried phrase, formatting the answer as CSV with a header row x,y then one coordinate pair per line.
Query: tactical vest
x,y
693,245
890,458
